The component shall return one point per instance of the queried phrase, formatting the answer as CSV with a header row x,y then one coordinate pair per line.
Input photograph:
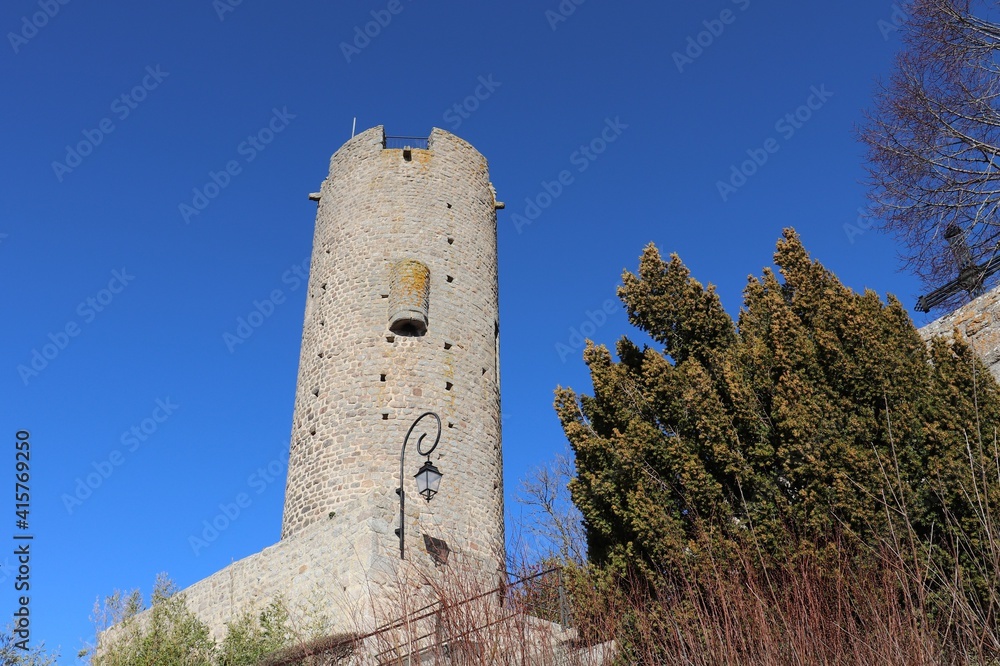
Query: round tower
x,y
401,318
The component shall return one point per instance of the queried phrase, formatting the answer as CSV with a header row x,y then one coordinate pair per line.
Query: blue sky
x,y
115,113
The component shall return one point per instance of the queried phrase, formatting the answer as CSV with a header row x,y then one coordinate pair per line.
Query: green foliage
x,y
171,635
820,413
13,655
168,634
250,638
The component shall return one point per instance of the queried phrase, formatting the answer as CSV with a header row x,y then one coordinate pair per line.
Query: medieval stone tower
x,y
401,319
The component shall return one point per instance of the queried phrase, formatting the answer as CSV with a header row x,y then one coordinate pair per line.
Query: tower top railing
x,y
397,142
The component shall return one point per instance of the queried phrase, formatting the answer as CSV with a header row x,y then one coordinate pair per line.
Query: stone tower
x,y
401,318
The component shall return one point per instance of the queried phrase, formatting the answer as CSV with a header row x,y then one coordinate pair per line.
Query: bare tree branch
x,y
554,520
933,138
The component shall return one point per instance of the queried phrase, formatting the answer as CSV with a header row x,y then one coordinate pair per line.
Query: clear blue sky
x,y
208,82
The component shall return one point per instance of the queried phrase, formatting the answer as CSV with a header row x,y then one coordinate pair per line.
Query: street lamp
x,y
428,480
428,477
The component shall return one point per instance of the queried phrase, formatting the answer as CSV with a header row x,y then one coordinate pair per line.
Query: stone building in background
x,y
978,322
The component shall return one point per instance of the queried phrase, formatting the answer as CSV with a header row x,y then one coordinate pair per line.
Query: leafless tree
x,y
553,521
933,140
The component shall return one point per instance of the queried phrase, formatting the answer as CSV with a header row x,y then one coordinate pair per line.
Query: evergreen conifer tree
x,y
821,414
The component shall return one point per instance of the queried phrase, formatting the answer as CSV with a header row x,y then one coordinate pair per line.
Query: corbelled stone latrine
x,y
401,318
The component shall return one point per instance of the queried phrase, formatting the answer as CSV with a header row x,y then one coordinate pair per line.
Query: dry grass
x,y
828,610
902,601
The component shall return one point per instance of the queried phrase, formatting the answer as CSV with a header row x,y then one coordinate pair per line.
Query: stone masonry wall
x,y
323,572
360,387
979,323
332,573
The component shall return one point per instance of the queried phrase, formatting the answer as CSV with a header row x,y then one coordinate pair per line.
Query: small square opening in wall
x,y
449,205
451,240
449,278
390,338
315,391
381,378
447,345
438,550
385,416
447,386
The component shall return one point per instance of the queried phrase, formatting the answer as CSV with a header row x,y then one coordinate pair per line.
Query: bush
x,y
167,633
821,413
11,654
811,484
